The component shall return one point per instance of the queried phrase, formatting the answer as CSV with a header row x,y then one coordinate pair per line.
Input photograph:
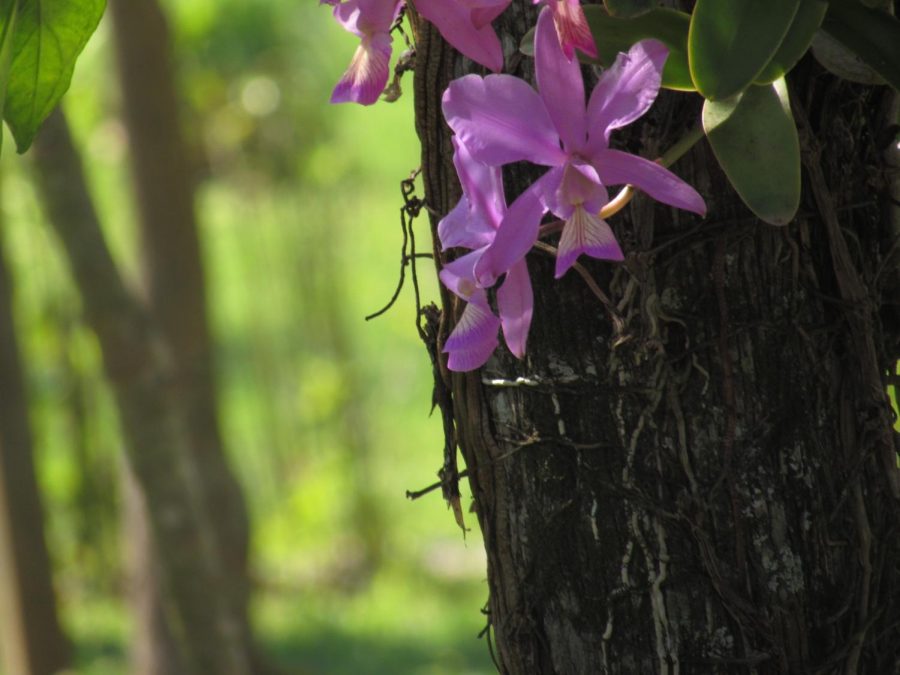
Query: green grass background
x,y
298,205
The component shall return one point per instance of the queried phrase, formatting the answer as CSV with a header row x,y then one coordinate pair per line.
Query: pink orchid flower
x,y
466,24
371,21
501,119
572,27
472,224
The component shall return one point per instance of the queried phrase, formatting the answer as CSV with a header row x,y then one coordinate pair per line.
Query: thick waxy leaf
x,y
798,39
625,9
614,35
731,41
839,60
755,140
49,36
878,4
872,35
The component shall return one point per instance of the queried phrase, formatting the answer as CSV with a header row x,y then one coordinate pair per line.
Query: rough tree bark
x,y
176,294
712,485
31,639
210,630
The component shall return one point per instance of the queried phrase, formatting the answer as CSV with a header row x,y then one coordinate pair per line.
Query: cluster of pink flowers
x,y
465,24
500,119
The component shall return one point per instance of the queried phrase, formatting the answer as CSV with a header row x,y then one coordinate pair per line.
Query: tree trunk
x,y
712,487
31,639
153,649
176,292
210,630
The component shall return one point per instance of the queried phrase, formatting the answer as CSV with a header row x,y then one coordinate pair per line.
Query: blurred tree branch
x,y
176,297
30,635
139,366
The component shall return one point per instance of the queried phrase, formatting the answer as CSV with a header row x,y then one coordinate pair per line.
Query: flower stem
x,y
685,143
668,158
617,203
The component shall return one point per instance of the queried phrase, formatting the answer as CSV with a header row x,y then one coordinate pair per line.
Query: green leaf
x,y
731,41
798,39
49,36
7,30
613,35
878,4
872,35
840,61
625,9
754,137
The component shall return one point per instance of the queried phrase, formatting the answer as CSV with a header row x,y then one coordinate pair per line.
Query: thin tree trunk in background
x,y
31,639
175,287
210,630
154,650
713,489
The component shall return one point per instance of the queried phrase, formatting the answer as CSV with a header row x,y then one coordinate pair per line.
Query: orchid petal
x,y
454,21
474,5
515,302
585,233
458,275
625,91
486,11
548,191
366,17
501,119
482,184
560,83
349,16
516,235
377,16
572,27
474,339
618,168
452,227
367,75
463,228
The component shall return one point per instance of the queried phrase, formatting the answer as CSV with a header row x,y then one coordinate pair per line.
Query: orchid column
x,y
657,479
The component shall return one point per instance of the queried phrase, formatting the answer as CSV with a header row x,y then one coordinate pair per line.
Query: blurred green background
x,y
325,416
